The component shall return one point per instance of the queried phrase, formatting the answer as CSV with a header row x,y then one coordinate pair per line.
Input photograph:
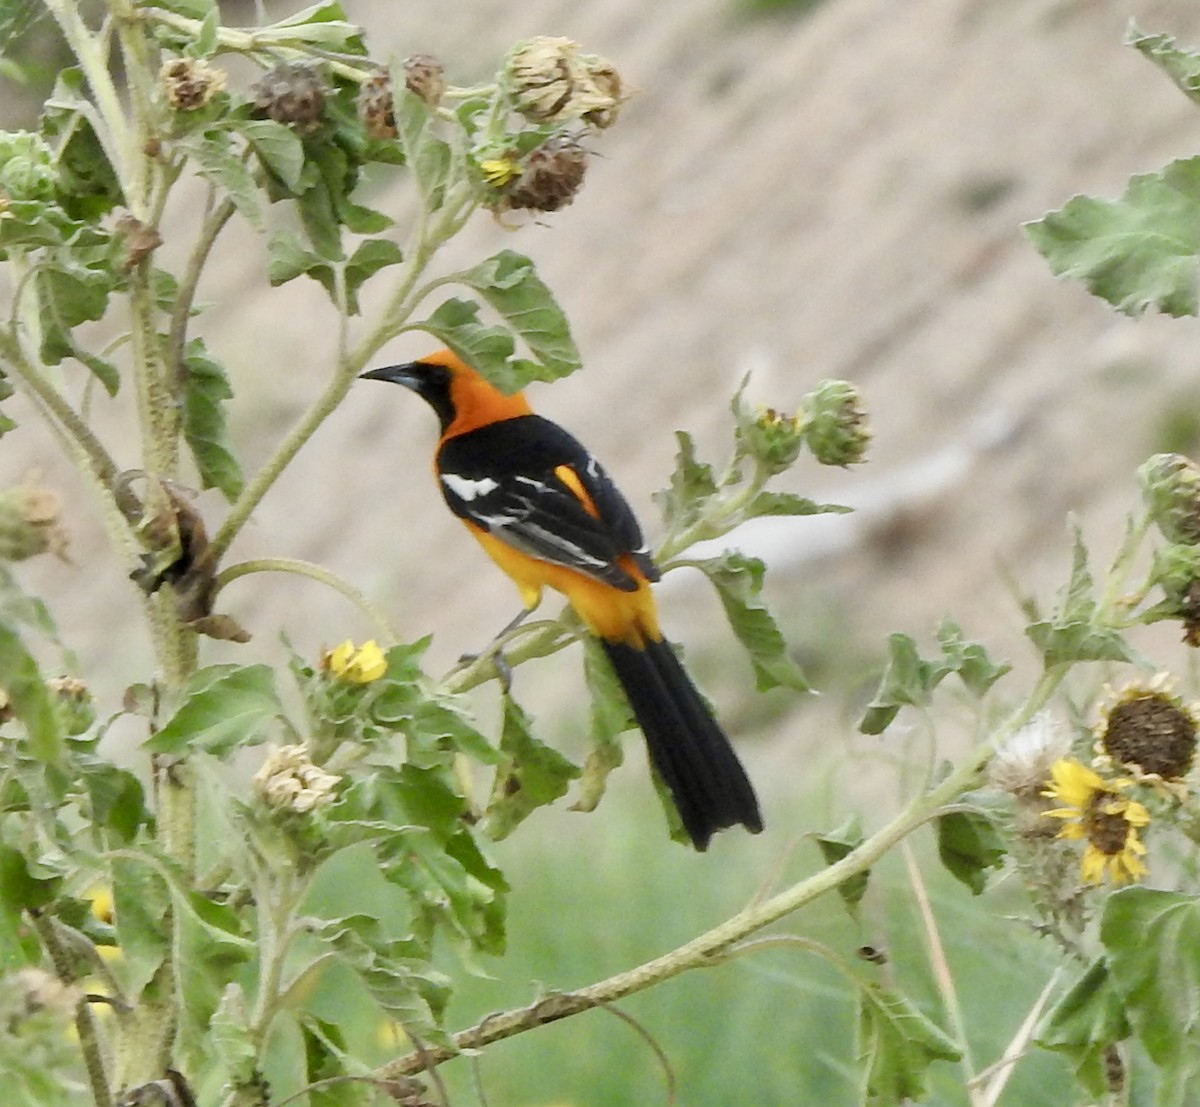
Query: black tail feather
x,y
688,749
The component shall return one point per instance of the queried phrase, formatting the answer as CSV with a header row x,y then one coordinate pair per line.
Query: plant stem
x,y
85,1024
703,950
313,572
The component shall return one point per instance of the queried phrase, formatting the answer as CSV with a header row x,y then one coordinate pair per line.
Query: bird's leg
x,y
495,651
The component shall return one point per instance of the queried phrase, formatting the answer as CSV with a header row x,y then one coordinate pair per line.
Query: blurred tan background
x,y
834,194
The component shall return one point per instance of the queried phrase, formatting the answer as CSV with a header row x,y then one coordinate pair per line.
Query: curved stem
x,y
701,951
313,572
177,333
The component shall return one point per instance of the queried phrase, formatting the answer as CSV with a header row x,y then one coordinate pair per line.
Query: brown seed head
x,y
293,94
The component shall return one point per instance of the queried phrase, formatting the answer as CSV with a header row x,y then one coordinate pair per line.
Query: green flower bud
x,y
1171,492
29,523
774,440
835,427
26,167
73,704
550,81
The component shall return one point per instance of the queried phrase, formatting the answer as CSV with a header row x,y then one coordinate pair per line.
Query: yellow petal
x,y
1074,782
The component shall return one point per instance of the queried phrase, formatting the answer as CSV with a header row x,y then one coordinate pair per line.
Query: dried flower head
x,y
291,93
1148,730
1023,764
835,426
1171,492
376,108
289,781
190,83
550,176
29,523
552,82
1096,812
39,991
355,664
425,76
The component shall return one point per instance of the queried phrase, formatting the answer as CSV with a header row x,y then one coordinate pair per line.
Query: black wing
x,y
531,484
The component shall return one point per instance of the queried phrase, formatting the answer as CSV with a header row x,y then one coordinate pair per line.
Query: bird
x,y
547,513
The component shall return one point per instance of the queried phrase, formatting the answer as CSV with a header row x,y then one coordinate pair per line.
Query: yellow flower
x,y
356,664
1099,814
499,171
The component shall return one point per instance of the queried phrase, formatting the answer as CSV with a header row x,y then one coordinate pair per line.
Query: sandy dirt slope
x,y
837,196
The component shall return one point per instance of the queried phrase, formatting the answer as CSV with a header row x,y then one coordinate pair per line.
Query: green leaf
x,y
1137,252
1152,939
530,774
225,708
909,680
231,1038
509,282
278,147
1072,633
219,163
609,717
969,845
140,905
369,257
969,659
205,389
896,1044
31,702
323,24
692,486
836,844
1182,66
20,891
427,155
787,503
1084,1023
738,580
395,971
456,323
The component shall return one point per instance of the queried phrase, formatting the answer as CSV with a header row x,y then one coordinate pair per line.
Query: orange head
x,y
462,398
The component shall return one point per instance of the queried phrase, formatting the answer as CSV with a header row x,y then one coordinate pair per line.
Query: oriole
x,y
546,512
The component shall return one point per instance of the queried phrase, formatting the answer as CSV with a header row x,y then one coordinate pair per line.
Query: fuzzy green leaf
x,y
21,890
204,427
31,702
278,147
1182,66
226,707
609,717
530,775
1072,633
1152,939
140,902
787,503
395,971
219,163
1137,252
323,24
896,1044
427,155
738,580
1084,1023
969,659
456,323
509,282
969,845
693,484
836,844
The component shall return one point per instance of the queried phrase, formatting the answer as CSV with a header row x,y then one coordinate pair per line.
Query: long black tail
x,y
688,749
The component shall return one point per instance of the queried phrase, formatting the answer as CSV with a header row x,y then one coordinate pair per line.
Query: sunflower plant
x,y
291,857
